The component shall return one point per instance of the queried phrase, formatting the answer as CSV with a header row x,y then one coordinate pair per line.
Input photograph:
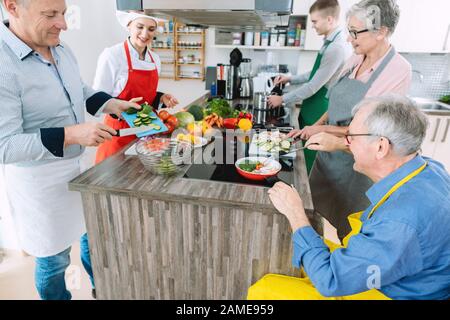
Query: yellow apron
x,y
280,287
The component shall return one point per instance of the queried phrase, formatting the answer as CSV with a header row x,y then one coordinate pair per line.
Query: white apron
x,y
49,218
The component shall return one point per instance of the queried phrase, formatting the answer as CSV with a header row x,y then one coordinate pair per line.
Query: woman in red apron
x,y
130,71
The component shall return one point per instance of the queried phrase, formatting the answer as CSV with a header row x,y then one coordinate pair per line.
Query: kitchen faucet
x,y
421,77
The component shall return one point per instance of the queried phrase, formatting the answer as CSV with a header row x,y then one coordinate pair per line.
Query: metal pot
x,y
260,101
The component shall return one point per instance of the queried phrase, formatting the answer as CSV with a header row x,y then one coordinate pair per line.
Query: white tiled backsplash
x,y
435,69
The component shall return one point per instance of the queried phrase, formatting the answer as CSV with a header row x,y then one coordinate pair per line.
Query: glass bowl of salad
x,y
163,156
257,168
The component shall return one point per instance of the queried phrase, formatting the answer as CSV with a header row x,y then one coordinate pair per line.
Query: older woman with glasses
x,y
375,69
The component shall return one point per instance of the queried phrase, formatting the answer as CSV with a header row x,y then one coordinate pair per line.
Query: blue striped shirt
x,y
37,100
406,242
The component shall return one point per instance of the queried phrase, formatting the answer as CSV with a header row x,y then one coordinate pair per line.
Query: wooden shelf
x,y
230,46
189,33
171,49
189,64
166,62
189,48
192,78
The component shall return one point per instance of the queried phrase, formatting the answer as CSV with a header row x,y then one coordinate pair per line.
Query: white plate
x,y
258,150
203,142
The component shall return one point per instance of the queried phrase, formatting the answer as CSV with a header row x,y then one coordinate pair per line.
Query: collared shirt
x,y
396,77
38,99
405,244
112,67
333,60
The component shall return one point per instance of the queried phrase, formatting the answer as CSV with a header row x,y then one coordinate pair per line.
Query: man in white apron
x,y
43,134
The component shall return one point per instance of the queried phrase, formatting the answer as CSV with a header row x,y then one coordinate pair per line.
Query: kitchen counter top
x,y
126,175
155,237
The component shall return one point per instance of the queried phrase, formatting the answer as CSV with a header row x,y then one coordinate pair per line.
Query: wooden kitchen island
x,y
155,237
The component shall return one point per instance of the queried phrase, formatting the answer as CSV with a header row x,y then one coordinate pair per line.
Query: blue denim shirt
x,y
37,100
406,241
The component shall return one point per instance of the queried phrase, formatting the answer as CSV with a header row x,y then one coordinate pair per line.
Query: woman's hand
x,y
288,202
306,132
310,131
326,142
169,100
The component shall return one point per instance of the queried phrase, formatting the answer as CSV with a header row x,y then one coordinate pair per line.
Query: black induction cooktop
x,y
228,173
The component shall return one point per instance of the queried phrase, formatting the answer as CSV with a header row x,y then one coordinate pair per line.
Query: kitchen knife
x,y
132,131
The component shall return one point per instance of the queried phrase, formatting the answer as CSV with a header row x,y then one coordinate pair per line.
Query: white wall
x,y
98,29
2,13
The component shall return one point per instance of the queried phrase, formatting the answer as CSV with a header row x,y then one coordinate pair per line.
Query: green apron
x,y
314,107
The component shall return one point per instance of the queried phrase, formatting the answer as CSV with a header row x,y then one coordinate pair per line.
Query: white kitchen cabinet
x,y
315,42
423,26
437,140
429,143
301,7
442,150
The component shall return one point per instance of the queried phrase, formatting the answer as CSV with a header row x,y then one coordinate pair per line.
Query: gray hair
x,y
377,14
397,118
24,3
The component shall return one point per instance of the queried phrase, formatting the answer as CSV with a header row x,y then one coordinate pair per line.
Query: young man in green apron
x,y
329,62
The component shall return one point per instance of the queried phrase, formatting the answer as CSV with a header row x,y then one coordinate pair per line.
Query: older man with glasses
x,y
399,247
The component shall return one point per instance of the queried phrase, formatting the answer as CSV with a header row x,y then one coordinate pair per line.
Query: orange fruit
x,y
245,124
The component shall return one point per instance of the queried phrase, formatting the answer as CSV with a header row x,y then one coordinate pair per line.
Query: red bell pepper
x,y
230,123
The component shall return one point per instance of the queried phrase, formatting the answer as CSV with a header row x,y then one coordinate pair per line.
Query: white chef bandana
x,y
125,18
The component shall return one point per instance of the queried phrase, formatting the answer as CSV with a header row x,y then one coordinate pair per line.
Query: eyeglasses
x,y
354,34
349,141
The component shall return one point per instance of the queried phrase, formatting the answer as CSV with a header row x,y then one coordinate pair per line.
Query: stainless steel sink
x,y
429,105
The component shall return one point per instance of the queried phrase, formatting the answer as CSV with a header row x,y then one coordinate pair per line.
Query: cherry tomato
x,y
173,121
241,114
248,116
164,115
170,127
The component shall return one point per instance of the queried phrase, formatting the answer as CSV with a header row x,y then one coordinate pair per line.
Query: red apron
x,y
141,83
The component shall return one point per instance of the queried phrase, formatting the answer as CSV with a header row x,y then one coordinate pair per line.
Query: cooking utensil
x,y
258,176
282,152
144,130
137,130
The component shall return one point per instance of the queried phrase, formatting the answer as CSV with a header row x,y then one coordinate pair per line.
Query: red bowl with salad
x,y
257,168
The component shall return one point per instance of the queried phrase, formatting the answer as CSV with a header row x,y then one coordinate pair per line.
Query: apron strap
x,y
396,187
382,66
127,52
377,72
151,57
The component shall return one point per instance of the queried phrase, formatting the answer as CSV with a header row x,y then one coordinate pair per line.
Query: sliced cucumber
x,y
286,145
